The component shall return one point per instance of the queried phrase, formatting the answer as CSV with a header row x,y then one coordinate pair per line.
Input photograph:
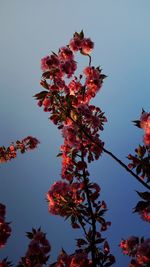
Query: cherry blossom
x,y
28,143
38,249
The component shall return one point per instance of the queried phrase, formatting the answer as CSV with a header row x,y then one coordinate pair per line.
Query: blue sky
x,y
30,30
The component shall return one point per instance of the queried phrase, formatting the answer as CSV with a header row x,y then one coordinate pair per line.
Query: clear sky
x,y
30,30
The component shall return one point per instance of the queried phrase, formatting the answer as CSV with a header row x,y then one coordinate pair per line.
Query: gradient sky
x,y
30,30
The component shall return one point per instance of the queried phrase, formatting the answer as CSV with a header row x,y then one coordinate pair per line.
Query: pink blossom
x,y
44,65
87,46
93,80
68,67
75,43
70,133
46,102
38,249
30,142
74,86
130,245
24,145
49,61
145,122
143,252
62,197
145,214
65,54
53,61
147,139
79,260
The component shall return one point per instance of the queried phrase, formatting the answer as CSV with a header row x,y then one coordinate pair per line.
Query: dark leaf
x,y
59,154
137,123
141,205
81,242
100,220
29,235
41,95
46,75
99,240
103,76
144,195
138,169
82,34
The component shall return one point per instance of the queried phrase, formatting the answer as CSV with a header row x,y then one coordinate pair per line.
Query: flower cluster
x,y
69,106
5,230
24,145
56,67
145,213
80,123
76,197
138,249
143,206
144,123
141,162
79,259
79,42
37,254
64,198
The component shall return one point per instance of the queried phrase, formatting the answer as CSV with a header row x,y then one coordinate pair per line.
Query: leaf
x,y
73,219
75,225
99,240
41,95
106,248
144,195
29,235
101,213
137,123
138,169
34,231
39,229
82,34
108,264
142,239
44,84
100,220
46,75
81,242
59,154
54,54
141,205
103,76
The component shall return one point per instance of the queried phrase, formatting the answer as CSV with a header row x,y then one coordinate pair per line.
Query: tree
x,y
76,198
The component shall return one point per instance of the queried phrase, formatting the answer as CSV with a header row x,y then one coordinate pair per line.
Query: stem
x,y
80,221
114,157
84,230
125,167
89,60
81,127
92,216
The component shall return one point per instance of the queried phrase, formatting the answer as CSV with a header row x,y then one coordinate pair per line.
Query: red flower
x,y
87,46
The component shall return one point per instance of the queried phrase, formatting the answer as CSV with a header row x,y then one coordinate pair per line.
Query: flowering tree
x,y
66,97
